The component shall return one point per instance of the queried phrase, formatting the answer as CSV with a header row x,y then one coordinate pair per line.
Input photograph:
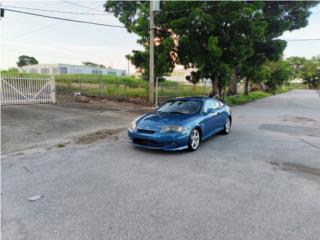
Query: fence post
x,y
69,85
53,89
100,86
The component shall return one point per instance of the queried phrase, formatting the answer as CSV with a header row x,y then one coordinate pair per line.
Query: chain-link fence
x,y
168,90
125,87
102,86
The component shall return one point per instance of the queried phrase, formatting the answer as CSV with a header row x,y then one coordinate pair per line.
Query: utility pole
x,y
151,55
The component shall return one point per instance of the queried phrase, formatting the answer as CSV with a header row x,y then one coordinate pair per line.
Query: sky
x,y
56,41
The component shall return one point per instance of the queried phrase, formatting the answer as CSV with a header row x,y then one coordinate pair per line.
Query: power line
x,y
117,26
46,10
64,19
79,5
34,30
301,39
41,28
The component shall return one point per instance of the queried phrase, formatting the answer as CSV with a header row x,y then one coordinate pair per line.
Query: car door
x,y
210,114
220,120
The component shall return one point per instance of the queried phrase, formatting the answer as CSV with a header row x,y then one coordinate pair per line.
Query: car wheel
x,y
194,140
227,126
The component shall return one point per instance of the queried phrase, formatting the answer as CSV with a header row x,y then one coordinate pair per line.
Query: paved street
x,y
260,182
36,126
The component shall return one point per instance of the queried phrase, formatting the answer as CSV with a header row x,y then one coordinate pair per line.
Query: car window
x,y
181,106
220,104
217,104
209,104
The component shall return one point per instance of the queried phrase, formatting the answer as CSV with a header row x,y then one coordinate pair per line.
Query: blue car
x,y
181,123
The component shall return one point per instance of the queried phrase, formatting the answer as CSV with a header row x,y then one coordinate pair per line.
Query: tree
x,y
25,60
306,69
210,40
135,16
91,64
310,72
13,70
194,78
280,17
296,64
218,39
277,74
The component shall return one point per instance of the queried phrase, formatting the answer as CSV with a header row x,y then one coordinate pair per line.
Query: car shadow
x,y
203,144
160,152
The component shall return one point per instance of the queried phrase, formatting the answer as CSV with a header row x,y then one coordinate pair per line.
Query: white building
x,y
60,68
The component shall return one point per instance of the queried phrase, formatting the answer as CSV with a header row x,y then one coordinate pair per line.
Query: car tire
x,y
194,140
227,126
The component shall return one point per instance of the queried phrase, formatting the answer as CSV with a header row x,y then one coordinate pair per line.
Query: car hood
x,y
155,120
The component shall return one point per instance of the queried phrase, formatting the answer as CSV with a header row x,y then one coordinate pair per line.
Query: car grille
x,y
146,142
146,131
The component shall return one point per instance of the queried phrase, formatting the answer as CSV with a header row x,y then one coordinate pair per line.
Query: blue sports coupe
x,y
181,123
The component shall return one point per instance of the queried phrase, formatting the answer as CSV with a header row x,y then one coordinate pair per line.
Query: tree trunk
x,y
246,86
263,86
233,85
220,87
215,88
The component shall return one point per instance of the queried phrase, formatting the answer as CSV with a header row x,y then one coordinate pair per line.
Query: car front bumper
x,y
162,141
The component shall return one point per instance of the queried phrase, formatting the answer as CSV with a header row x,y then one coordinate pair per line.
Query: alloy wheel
x,y
194,139
227,126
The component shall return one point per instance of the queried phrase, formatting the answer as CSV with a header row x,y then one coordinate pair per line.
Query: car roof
x,y
202,98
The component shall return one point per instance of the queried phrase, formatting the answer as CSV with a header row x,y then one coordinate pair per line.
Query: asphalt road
x,y
260,182
38,126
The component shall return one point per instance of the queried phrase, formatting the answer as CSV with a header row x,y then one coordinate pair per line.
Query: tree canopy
x,y
222,41
25,60
91,64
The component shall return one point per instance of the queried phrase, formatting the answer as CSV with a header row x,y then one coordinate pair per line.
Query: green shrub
x,y
241,98
258,94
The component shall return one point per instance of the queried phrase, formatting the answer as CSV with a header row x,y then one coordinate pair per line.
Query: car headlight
x,y
172,128
133,125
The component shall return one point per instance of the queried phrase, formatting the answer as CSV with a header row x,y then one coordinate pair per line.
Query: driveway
x,y
260,182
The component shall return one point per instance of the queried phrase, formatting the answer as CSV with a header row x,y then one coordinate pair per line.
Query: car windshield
x,y
181,106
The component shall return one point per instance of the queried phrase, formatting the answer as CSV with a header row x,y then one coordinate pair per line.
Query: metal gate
x,y
27,90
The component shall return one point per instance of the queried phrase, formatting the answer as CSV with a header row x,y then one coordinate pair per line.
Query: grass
x,y
241,98
132,87
123,86
101,79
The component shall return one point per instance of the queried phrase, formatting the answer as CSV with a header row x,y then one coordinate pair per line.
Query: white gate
x,y
27,90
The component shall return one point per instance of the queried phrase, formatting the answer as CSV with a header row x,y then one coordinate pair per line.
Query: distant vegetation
x,y
25,60
91,64
306,69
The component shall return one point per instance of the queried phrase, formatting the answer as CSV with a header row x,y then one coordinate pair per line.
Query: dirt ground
x,y
111,103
